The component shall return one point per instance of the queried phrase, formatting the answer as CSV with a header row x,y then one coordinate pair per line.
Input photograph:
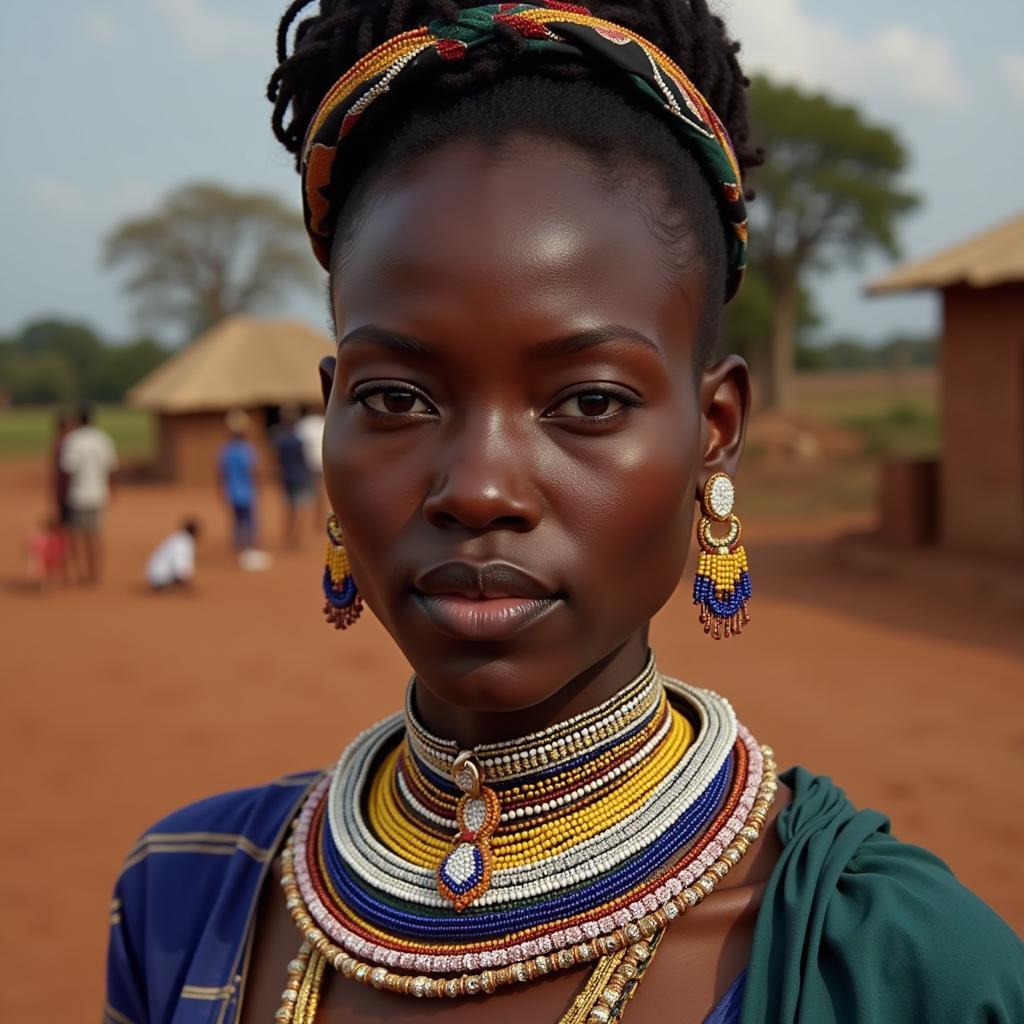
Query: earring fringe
x,y
721,588
343,604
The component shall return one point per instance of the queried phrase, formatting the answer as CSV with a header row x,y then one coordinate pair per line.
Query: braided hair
x,y
500,94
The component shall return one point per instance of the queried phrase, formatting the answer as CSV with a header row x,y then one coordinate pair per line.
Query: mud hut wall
x,y
190,444
982,480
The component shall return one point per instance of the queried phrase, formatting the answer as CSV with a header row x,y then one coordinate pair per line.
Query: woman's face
x,y
515,429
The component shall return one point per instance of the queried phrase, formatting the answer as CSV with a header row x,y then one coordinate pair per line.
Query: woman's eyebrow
x,y
392,340
552,348
583,340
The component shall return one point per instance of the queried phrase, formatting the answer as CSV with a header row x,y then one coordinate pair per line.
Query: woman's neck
x,y
469,727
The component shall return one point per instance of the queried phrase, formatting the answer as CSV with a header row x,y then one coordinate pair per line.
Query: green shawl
x,y
859,927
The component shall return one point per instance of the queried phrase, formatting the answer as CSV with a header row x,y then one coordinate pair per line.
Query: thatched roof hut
x,y
242,363
980,478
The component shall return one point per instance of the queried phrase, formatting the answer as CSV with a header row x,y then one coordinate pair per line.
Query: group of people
x,y
67,545
296,440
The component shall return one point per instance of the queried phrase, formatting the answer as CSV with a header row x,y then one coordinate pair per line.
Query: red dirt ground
x,y
119,706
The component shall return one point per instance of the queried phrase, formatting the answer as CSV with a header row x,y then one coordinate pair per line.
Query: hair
x,y
499,94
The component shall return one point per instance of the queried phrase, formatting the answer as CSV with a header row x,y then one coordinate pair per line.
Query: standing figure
x,y
88,456
310,429
293,472
238,464
59,480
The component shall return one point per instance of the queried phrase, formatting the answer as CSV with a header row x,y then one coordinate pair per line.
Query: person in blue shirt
x,y
238,463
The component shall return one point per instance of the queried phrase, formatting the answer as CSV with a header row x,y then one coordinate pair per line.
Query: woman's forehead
x,y
527,233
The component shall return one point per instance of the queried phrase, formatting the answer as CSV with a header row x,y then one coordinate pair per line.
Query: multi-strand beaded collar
x,y
425,870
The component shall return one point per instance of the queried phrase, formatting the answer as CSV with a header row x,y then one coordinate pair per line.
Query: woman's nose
x,y
486,482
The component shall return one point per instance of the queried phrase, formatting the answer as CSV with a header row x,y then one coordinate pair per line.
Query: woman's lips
x,y
484,618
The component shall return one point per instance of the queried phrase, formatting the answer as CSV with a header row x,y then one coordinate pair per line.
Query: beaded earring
x,y
722,585
344,604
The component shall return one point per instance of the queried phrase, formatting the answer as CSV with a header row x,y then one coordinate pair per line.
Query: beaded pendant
x,y
465,872
722,586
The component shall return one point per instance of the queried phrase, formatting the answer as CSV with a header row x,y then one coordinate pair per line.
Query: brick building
x,y
242,363
978,487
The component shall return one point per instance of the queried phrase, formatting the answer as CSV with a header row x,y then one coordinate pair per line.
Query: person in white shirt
x,y
310,431
89,458
174,560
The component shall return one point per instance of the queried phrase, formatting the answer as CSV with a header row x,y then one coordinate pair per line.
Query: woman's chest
x,y
697,961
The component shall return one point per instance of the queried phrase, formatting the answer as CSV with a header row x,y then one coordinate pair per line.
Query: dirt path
x,y
119,706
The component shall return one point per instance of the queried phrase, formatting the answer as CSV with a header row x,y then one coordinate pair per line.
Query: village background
x,y
882,493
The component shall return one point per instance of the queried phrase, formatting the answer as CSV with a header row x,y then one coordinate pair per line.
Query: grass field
x,y
27,432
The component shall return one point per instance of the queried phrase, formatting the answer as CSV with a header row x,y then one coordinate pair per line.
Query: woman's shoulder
x,y
185,893
241,818
857,925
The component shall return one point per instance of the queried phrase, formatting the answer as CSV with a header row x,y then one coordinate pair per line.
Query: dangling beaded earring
x,y
344,604
722,586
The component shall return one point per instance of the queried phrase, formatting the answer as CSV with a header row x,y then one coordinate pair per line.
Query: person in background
x,y
310,429
238,463
88,457
293,472
173,563
46,553
59,481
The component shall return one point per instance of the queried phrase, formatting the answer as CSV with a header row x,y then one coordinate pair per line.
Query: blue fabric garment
x,y
728,1010
184,902
237,468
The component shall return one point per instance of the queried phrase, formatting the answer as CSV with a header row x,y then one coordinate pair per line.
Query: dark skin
x,y
516,381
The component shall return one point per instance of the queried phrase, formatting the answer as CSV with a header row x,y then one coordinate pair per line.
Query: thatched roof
x,y
994,257
241,363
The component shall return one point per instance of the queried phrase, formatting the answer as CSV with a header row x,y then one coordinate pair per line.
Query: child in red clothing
x,y
46,553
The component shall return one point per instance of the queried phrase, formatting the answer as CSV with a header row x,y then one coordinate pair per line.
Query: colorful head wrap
x,y
557,28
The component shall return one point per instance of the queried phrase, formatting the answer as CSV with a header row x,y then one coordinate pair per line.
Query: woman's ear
x,y
327,365
725,408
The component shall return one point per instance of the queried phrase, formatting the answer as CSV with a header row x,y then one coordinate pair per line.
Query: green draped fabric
x,y
859,927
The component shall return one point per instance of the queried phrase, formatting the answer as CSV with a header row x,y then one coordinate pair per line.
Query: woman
x,y
531,220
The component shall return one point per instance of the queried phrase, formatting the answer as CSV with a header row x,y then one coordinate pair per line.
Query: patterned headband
x,y
559,28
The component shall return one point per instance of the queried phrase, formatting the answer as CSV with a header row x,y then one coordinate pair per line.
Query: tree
x,y
122,366
207,252
62,361
747,322
827,194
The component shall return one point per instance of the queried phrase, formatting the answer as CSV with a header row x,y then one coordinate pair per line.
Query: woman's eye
x,y
588,405
396,402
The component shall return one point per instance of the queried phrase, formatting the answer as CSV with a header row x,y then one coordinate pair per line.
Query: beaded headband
x,y
559,28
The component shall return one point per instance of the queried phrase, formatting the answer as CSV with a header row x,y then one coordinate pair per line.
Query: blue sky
x,y
106,105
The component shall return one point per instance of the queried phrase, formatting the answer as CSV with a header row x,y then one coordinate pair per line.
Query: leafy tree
x,y
828,194
207,252
59,361
747,323
119,367
36,378
76,343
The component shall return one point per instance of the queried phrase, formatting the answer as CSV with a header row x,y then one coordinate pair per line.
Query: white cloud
x,y
1011,68
65,203
788,42
102,27
61,199
208,33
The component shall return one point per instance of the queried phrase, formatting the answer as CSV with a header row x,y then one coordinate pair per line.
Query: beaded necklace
x,y
424,870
